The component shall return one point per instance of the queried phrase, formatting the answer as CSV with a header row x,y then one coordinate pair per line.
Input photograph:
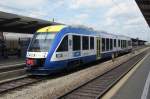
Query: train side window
x,y
103,44
114,42
121,43
64,45
129,43
125,43
118,43
107,44
76,43
111,44
85,42
91,42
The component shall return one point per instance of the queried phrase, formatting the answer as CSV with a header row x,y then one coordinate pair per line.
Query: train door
x,y
98,48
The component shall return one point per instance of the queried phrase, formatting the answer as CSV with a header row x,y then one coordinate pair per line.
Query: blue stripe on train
x,y
56,66
63,64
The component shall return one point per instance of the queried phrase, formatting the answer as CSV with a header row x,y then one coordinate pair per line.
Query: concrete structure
x,y
137,42
2,45
144,6
18,24
21,24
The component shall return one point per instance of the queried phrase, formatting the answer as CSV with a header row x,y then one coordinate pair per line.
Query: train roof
x,y
81,30
102,33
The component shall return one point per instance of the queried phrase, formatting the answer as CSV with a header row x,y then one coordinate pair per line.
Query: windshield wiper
x,y
46,36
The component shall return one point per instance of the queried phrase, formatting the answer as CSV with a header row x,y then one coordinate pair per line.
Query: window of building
x,y
64,45
103,44
76,43
91,42
85,42
107,44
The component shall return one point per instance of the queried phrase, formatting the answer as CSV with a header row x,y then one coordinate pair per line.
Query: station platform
x,y
13,60
134,85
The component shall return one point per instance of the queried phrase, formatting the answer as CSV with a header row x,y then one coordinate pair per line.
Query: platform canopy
x,y
144,6
21,24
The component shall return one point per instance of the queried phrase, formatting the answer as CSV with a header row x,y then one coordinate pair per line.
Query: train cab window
x,y
114,42
103,44
107,44
111,44
91,42
76,43
85,42
64,45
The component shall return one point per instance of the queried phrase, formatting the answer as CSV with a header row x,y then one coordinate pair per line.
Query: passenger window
x,y
118,43
129,43
91,42
85,42
114,42
76,43
121,43
107,44
111,44
103,44
64,45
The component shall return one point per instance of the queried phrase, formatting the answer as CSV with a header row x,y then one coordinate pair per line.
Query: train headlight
x,y
30,62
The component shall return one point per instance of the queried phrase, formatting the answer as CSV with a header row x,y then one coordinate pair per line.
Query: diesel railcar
x,y
59,47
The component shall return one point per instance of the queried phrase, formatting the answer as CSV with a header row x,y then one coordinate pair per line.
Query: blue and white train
x,y
59,47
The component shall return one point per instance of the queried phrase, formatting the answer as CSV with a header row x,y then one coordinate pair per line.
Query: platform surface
x,y
11,61
134,87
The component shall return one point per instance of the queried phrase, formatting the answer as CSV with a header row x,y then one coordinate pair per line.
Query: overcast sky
x,y
115,16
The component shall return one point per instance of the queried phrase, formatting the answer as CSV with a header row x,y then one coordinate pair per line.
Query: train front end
x,y
39,50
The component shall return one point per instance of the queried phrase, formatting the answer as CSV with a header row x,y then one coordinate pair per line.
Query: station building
x,y
12,24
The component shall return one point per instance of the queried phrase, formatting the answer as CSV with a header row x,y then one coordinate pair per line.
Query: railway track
x,y
91,90
8,72
17,83
99,86
5,68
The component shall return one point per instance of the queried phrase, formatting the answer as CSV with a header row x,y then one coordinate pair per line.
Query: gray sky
x,y
115,16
